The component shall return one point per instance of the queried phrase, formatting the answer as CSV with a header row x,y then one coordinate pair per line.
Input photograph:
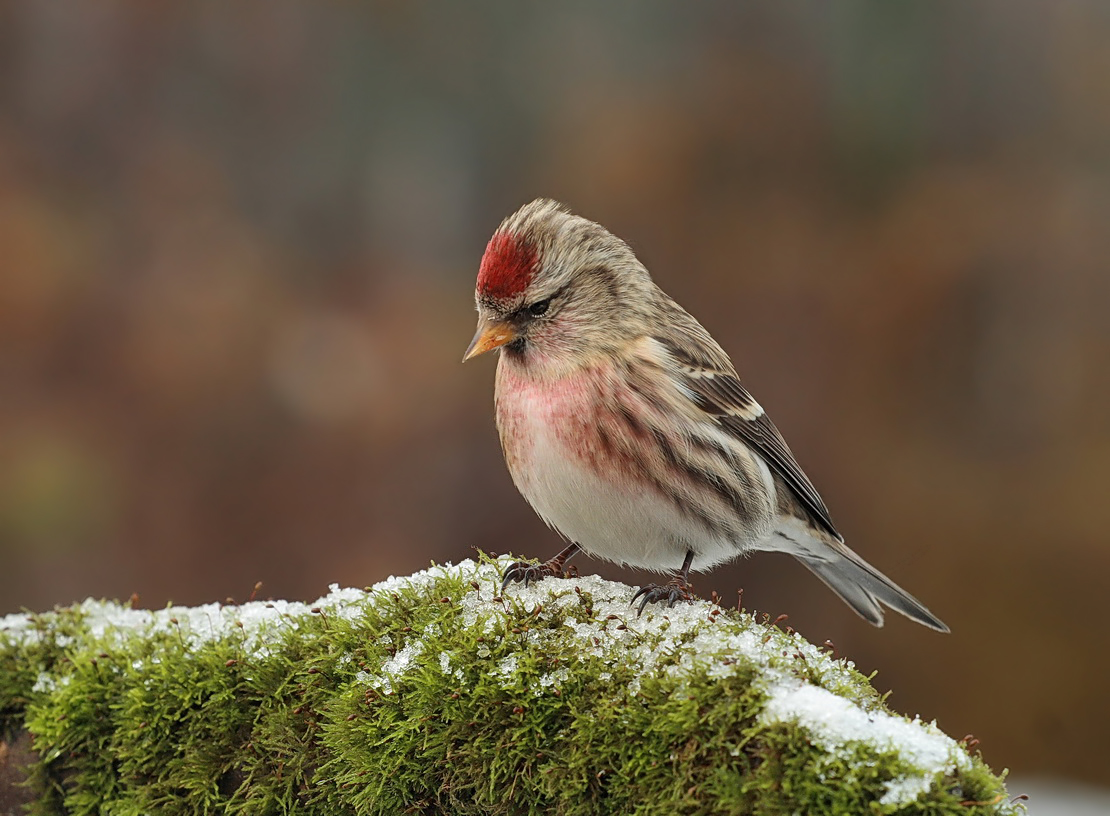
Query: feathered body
x,y
596,454
625,426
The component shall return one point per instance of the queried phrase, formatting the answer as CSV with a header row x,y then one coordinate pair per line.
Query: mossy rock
x,y
438,693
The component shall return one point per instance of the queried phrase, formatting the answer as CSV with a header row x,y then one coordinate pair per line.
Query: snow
x,y
261,622
834,723
404,659
678,641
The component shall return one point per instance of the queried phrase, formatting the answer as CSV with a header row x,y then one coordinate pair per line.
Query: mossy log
x,y
438,693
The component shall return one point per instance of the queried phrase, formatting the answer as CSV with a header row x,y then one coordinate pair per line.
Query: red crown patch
x,y
507,267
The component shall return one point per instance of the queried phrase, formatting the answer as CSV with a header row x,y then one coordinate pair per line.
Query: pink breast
x,y
580,414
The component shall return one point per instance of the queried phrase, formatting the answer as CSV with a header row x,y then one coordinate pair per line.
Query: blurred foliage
x,y
237,246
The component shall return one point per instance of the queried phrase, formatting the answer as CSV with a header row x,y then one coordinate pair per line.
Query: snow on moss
x,y
835,722
262,622
555,651
689,632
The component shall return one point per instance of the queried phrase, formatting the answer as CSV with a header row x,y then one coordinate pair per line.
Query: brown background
x,y
238,244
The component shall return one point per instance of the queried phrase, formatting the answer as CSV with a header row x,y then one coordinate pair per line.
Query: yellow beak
x,y
488,337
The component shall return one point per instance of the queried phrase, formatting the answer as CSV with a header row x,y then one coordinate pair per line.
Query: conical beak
x,y
489,336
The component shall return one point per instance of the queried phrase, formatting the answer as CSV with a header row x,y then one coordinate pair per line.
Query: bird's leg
x,y
528,572
677,589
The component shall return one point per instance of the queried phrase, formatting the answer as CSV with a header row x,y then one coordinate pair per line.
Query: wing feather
x,y
715,388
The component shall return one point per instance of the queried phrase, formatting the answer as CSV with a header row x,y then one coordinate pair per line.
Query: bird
x,y
625,426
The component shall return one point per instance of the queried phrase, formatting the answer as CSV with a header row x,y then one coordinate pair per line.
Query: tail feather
x,y
863,587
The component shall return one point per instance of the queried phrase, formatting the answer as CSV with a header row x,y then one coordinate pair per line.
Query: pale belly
x,y
594,498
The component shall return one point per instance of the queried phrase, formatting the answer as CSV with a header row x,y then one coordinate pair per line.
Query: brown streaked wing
x,y
720,394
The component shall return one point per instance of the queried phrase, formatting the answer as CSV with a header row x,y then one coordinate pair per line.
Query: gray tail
x,y
863,588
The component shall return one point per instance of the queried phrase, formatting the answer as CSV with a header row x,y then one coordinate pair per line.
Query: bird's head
x,y
555,287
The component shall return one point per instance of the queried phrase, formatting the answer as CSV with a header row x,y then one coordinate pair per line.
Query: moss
x,y
436,694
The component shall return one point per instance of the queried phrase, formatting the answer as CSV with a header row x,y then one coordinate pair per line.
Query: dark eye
x,y
539,307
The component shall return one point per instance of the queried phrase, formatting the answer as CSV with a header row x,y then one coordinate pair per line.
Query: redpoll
x,y
626,428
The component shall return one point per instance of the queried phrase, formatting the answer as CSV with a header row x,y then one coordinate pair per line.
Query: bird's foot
x,y
670,593
528,572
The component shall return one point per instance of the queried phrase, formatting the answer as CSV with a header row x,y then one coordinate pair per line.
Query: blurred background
x,y
237,252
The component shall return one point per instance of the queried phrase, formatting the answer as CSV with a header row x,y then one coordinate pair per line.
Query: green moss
x,y
435,694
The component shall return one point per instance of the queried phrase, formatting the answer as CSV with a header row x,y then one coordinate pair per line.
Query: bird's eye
x,y
539,307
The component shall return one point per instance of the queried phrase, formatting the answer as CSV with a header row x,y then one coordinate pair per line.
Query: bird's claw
x,y
527,572
670,593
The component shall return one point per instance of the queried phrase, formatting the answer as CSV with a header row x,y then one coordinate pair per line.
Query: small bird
x,y
625,426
